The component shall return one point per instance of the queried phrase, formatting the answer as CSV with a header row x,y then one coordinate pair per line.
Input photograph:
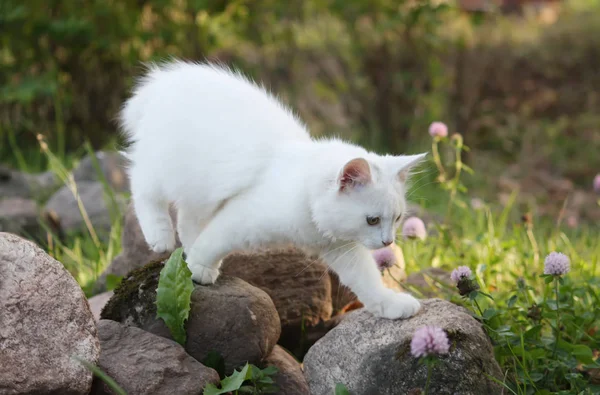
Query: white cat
x,y
243,173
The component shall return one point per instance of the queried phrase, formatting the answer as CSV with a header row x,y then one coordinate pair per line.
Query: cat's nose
x,y
386,242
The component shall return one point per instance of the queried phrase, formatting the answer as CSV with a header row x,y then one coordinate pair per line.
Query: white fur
x,y
244,173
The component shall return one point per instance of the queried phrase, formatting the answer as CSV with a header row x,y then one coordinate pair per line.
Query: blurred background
x,y
518,79
516,82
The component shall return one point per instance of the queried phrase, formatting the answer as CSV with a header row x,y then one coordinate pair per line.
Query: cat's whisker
x,y
322,257
412,192
356,245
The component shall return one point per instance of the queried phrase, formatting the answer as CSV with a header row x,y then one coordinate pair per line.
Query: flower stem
x,y
557,318
428,378
478,307
437,159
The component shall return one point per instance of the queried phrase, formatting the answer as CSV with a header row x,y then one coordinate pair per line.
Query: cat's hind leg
x,y
152,211
191,221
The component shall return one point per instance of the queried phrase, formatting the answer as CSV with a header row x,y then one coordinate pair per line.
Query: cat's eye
x,y
398,218
373,220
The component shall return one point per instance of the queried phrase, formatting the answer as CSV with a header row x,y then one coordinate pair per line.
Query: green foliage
x,y
85,255
216,361
340,389
173,295
544,329
376,72
249,380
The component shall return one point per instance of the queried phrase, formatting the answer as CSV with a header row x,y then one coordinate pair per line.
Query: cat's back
x,y
207,100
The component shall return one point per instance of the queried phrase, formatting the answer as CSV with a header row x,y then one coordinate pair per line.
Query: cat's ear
x,y
407,163
356,172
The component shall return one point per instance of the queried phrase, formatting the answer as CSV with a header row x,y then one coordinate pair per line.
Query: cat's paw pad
x,y
161,240
396,305
204,275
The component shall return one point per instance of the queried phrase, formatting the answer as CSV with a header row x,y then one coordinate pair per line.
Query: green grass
x,y
544,346
84,254
507,262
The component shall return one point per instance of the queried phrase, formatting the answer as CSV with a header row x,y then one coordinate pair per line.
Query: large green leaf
x,y
230,383
340,389
173,295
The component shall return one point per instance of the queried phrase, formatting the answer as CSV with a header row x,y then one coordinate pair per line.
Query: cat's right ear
x,y
357,172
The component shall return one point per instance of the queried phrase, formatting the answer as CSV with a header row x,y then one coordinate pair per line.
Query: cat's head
x,y
367,202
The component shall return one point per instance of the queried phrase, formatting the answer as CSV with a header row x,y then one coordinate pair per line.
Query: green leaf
x,y
270,370
489,313
487,295
112,281
535,376
340,389
230,383
512,301
216,361
548,279
173,295
583,353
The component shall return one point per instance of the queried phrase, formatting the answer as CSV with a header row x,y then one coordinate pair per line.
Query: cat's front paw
x,y
204,275
394,305
161,239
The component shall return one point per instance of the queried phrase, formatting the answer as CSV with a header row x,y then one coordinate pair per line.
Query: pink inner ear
x,y
355,172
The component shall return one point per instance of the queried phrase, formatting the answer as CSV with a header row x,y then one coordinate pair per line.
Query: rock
x,y
15,183
316,332
98,302
230,317
44,321
20,216
298,285
109,165
372,355
63,206
143,363
341,296
135,253
289,378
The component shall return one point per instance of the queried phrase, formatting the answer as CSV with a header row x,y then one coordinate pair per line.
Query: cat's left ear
x,y
407,162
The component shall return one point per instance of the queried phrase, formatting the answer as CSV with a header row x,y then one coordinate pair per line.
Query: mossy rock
x,y
231,317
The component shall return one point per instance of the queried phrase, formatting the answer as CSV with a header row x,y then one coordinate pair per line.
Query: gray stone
x,y
15,183
101,209
97,303
108,165
372,355
143,363
45,321
289,378
231,317
19,216
298,285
